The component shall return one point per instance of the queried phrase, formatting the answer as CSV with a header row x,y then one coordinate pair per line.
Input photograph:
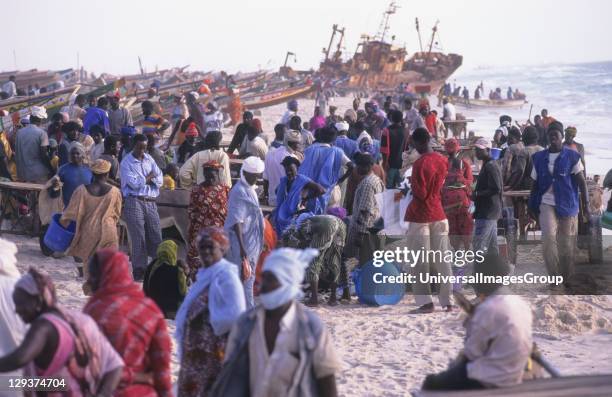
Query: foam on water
x,y
576,95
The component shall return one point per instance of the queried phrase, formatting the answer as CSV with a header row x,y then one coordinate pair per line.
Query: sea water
x,y
575,94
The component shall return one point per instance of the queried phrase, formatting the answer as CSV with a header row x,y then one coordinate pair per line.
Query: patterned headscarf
x,y
215,234
213,164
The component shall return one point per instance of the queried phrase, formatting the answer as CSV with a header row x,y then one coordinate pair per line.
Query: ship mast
x,y
416,20
384,23
434,30
331,40
289,53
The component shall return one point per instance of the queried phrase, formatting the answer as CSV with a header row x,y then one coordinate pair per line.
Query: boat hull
x,y
489,103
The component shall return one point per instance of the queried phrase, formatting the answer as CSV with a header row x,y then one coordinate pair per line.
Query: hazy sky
x,y
244,35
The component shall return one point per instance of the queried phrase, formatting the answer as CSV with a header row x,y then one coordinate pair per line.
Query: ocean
x,y
575,94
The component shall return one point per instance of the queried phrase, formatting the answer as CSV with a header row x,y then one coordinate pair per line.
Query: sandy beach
x,y
387,351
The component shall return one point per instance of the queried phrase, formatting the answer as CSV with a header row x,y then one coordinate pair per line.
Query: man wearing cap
x,y
141,179
31,150
487,198
244,223
97,115
118,116
295,124
292,109
559,176
498,340
345,143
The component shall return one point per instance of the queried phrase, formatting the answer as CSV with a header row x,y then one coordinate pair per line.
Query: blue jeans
x,y
485,235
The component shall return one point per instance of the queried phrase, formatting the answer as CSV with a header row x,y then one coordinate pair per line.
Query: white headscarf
x,y
8,260
253,165
289,266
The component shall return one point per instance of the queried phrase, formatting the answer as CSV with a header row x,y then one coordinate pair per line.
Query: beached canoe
x,y
15,104
52,103
489,103
274,98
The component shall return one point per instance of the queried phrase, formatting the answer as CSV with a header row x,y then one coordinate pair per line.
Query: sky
x,y
247,35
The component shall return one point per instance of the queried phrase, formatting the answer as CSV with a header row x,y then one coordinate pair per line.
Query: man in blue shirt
x,y
345,143
141,179
97,115
558,176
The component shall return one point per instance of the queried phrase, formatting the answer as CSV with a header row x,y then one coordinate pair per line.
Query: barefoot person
x,y
327,234
244,223
428,228
290,351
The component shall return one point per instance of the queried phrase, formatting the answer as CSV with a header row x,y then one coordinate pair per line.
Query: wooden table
x,y
10,191
236,162
517,193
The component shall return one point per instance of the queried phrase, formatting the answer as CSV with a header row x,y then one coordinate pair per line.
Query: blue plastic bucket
x,y
57,238
378,294
495,153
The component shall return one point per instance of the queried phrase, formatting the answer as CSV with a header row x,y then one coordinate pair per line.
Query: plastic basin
x,y
57,237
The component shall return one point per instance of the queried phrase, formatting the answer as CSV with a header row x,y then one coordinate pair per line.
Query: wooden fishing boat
x,y
15,104
259,101
489,103
105,89
52,103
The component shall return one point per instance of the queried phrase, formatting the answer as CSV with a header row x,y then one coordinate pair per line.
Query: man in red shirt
x,y
428,226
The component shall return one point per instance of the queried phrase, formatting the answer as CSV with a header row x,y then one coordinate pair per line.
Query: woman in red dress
x,y
456,197
207,207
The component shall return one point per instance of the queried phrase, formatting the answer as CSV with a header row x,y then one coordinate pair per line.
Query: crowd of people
x,y
236,297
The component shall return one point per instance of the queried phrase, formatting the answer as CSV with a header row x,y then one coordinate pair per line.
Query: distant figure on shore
x,y
448,111
546,119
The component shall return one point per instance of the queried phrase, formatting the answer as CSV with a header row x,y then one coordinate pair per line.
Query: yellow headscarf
x,y
167,252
